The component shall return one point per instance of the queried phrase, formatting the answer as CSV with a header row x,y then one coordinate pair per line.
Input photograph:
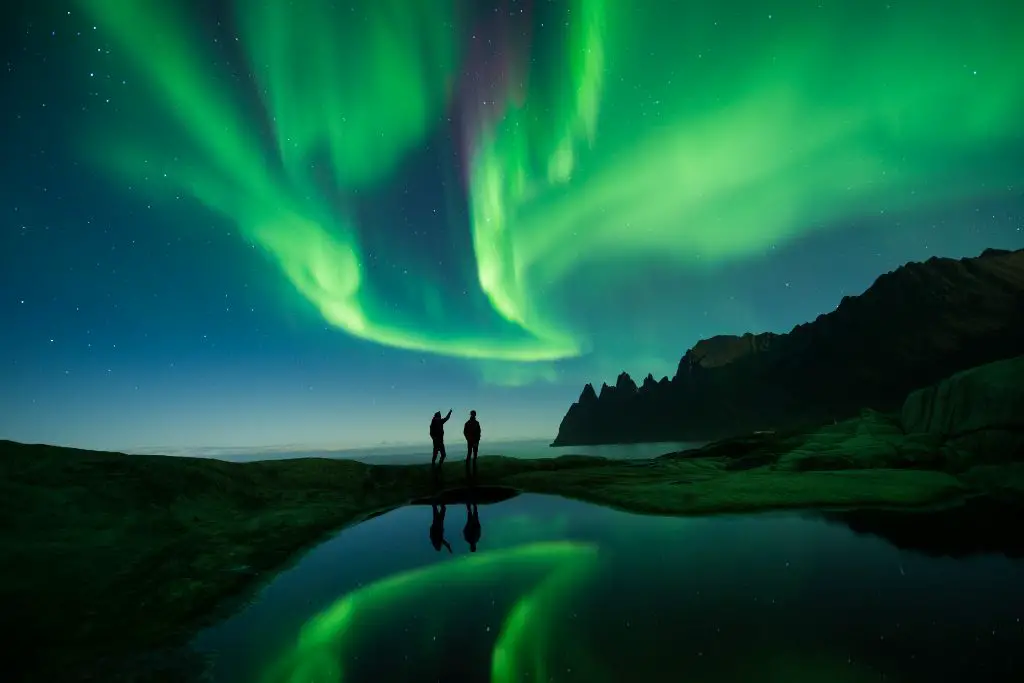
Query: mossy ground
x,y
109,555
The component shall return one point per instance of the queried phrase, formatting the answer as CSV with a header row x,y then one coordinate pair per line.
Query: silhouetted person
x,y
471,532
437,529
471,431
437,435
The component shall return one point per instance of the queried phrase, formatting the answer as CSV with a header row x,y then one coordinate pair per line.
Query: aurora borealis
x,y
548,572
432,201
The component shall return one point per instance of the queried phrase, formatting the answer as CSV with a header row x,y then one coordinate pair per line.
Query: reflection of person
x,y
437,435
471,532
472,433
437,529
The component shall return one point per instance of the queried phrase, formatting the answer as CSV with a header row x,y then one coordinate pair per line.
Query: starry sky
x,y
312,223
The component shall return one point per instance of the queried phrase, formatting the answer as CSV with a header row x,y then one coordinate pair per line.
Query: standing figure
x,y
437,528
437,435
471,532
472,433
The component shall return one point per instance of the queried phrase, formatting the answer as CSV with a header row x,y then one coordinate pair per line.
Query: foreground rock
x,y
978,414
912,327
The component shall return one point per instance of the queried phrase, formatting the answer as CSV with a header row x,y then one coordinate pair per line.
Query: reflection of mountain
x,y
912,327
979,526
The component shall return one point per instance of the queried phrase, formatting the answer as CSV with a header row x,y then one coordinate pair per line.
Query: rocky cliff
x,y
912,327
978,411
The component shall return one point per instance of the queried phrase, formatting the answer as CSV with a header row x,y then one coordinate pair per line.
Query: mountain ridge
x,y
912,326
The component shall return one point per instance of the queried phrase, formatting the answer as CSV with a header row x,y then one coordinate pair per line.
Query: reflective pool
x,y
559,590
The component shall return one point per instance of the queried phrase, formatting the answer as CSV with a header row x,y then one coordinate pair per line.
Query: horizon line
x,y
293,448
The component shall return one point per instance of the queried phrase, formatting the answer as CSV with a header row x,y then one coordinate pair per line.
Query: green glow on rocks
x,y
550,570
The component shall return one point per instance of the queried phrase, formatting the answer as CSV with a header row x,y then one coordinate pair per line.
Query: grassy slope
x,y
109,554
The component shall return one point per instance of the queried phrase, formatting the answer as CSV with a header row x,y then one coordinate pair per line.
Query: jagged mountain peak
x,y
913,326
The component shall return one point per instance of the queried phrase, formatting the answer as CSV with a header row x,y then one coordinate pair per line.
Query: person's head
x,y
472,414
437,414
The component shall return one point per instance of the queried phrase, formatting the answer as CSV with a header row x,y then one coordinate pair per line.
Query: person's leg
x,y
433,458
474,449
440,446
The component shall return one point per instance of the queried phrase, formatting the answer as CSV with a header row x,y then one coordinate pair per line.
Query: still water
x,y
559,590
523,448
420,453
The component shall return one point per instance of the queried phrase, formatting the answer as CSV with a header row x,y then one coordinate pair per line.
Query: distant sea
x,y
420,453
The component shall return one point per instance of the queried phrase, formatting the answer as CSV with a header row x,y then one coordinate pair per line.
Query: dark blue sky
x,y
134,321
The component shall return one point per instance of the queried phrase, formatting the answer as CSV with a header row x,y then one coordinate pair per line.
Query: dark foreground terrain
x,y
112,562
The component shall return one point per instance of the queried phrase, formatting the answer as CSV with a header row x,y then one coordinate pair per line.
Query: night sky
x,y
308,224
